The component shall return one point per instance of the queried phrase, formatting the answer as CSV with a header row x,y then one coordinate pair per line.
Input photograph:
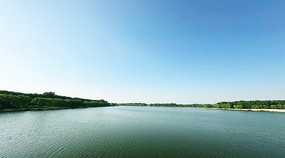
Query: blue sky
x,y
192,51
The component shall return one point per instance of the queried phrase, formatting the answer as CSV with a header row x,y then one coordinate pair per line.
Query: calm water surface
x,y
142,132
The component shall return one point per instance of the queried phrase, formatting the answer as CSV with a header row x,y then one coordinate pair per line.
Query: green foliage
x,y
24,100
133,104
49,94
254,104
225,105
273,107
279,106
42,102
169,105
16,100
166,104
208,105
216,106
237,106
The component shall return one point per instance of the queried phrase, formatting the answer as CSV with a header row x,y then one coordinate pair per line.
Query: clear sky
x,y
191,51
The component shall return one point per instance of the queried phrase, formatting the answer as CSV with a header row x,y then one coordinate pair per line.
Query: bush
x,y
238,106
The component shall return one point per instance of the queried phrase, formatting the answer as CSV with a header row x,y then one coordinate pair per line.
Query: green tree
x,y
238,106
24,100
4,100
279,106
41,102
49,94
216,106
273,107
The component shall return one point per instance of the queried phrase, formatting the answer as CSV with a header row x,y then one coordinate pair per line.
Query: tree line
x,y
167,105
253,104
47,100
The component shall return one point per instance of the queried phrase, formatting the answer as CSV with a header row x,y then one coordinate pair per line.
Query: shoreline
x,y
61,108
45,109
33,109
232,109
260,110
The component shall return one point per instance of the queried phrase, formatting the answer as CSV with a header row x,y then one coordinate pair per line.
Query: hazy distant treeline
x,y
254,104
167,105
16,100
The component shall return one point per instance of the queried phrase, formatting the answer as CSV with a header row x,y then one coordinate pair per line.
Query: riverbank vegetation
x,y
15,101
254,104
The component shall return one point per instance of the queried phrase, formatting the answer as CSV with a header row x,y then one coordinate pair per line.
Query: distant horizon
x,y
145,51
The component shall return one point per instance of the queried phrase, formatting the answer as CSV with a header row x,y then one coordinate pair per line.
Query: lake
x,y
142,132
